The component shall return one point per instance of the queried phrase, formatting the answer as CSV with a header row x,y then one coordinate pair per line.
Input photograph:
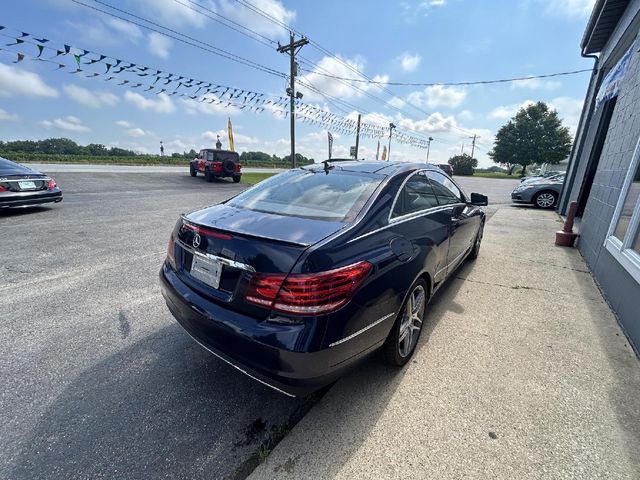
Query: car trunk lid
x,y
241,242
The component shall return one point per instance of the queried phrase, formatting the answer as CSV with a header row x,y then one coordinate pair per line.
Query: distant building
x,y
603,174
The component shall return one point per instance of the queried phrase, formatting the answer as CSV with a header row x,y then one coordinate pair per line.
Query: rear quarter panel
x,y
382,294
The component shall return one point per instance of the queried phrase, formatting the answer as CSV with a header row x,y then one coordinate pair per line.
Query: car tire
x,y
475,250
192,171
228,166
405,333
208,176
236,178
545,199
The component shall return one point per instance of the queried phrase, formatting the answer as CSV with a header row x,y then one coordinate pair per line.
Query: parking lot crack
x,y
526,287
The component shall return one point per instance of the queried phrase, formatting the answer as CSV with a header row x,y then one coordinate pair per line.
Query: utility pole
x,y
473,143
429,140
358,136
391,127
292,48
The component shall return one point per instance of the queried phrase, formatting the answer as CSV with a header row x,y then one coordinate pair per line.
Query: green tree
x,y
463,164
535,135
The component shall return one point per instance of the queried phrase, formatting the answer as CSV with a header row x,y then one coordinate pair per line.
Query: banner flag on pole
x,y
384,153
330,138
230,133
378,150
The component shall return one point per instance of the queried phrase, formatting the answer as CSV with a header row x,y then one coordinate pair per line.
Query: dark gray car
x,y
543,193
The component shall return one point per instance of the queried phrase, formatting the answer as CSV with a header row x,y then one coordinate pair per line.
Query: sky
x,y
412,41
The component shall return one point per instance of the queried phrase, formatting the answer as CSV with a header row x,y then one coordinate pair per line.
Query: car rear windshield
x,y
337,196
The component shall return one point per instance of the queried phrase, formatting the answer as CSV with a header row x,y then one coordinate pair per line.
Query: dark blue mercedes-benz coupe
x,y
295,280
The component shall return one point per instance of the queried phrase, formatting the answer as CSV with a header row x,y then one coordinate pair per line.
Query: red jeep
x,y
216,164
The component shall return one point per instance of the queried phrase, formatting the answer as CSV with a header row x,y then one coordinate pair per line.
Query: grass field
x,y
253,178
111,160
496,175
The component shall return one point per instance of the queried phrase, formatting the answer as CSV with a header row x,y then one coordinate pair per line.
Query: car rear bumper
x,y
21,199
229,336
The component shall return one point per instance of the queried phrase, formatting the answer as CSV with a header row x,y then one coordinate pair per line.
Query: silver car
x,y
542,193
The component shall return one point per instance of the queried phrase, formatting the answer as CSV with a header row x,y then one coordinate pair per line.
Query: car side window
x,y
416,195
445,190
210,156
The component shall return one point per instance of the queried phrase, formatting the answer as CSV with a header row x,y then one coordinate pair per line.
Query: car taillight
x,y
52,184
206,231
307,294
217,166
171,251
2,189
238,167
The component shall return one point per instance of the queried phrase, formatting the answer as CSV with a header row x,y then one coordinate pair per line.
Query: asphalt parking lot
x,y
98,379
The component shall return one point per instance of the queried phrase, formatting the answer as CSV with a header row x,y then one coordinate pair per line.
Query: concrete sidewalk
x,y
521,372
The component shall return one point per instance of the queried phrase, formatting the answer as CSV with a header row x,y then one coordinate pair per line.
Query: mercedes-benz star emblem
x,y
196,240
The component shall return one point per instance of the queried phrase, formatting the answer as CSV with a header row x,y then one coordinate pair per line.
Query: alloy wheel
x,y
545,200
411,322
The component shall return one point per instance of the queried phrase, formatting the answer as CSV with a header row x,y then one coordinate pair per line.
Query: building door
x,y
596,152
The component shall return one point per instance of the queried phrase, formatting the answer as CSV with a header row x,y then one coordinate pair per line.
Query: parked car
x,y
446,168
532,178
21,186
215,163
301,276
542,193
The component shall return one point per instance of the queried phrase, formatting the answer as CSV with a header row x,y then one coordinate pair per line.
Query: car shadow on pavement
x,y
19,211
160,408
362,397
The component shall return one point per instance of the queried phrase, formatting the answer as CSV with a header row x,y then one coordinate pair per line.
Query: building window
x,y
623,241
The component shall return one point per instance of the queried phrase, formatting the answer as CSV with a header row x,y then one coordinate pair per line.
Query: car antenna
x,y
327,167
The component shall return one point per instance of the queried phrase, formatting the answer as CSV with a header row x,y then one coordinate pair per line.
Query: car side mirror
x,y
479,200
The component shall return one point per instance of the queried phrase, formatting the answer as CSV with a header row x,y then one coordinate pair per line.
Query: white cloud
x,y
136,132
569,110
17,81
397,102
434,123
536,84
438,96
207,107
409,62
411,10
94,99
124,124
466,115
339,67
504,112
111,31
172,13
239,139
6,116
257,22
124,28
68,123
159,45
569,8
160,104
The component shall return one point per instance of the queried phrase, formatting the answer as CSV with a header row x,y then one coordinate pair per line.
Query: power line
x,y
177,36
444,84
336,57
267,41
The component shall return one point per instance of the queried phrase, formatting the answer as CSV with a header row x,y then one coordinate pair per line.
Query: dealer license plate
x,y
27,185
206,270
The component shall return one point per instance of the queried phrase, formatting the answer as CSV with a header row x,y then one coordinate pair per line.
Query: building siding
x,y
620,288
